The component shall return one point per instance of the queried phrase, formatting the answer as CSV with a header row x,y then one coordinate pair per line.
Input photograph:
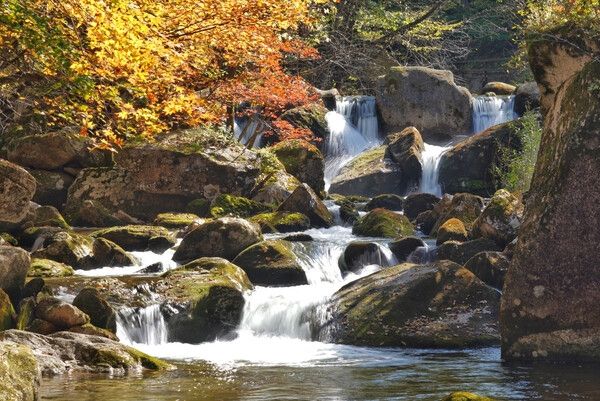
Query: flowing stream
x,y
492,110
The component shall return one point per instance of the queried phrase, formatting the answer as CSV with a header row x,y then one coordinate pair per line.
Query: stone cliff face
x,y
550,307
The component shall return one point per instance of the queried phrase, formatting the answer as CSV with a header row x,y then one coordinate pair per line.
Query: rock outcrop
x,y
305,200
425,98
405,149
501,218
551,293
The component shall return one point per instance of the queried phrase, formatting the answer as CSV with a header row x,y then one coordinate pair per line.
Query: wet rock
x,y
527,97
501,218
465,207
152,269
101,314
383,223
237,206
298,238
14,264
136,238
17,188
208,304
359,254
51,187
499,88
472,165
405,148
283,222
416,204
176,220
403,247
225,237
369,174
452,230
349,214
461,252
19,373
425,98
304,200
435,305
302,160
490,267
60,314
66,352
426,221
7,312
49,268
386,201
550,302
271,263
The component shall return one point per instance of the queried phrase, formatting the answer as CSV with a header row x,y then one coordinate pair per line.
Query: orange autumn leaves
x,y
125,68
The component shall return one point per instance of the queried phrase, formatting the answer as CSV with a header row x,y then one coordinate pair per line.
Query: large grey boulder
x,y
17,188
305,200
551,293
14,264
425,98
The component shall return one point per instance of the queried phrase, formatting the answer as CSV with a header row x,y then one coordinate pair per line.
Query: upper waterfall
x,y
492,110
431,169
353,128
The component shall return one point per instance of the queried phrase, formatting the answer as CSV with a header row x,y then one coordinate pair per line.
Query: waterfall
x,y
492,110
431,157
353,128
244,129
142,326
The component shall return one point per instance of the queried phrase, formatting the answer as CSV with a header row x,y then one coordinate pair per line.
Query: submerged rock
x,y
386,201
501,218
225,238
490,267
405,148
66,352
436,305
17,188
302,160
383,223
304,200
452,230
550,303
369,174
271,263
425,98
19,373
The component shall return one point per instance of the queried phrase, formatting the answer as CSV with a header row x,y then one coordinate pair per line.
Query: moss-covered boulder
x,y
490,267
465,207
436,305
51,188
383,223
403,247
19,373
464,396
26,313
225,237
101,314
17,188
176,220
274,184
138,238
310,117
461,252
237,206
499,88
359,254
67,352
386,201
405,148
452,230
501,218
60,314
91,213
283,222
8,239
7,312
208,303
108,254
14,264
49,268
47,216
302,160
271,263
415,204
90,330
369,174
304,200
200,207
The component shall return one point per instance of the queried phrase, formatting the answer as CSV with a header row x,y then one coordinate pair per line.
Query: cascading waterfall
x,y
353,128
492,110
431,169
142,325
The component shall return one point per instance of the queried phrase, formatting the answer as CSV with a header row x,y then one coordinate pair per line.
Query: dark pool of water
x,y
383,374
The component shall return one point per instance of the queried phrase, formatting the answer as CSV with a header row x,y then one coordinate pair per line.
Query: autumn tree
x,y
123,68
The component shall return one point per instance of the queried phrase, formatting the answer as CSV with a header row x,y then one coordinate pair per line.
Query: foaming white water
x,y
142,326
492,110
353,128
431,157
